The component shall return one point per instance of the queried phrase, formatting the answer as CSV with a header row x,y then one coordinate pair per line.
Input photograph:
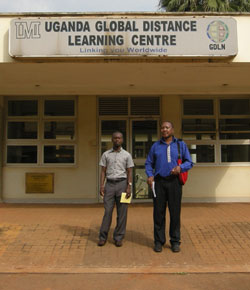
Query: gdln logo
x,y
28,30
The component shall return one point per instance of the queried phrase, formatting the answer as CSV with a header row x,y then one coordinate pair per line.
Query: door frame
x,y
129,146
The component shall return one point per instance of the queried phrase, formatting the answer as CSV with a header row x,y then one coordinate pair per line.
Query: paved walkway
x,y
63,239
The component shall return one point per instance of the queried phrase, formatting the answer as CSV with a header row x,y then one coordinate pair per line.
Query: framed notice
x,y
39,182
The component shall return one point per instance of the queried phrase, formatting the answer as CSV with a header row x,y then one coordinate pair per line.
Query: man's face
x,y
117,139
167,130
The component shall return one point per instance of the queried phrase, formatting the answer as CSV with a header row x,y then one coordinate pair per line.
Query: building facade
x,y
67,81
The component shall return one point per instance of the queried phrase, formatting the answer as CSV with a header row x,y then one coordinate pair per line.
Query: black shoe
x,y
101,243
175,248
158,247
118,243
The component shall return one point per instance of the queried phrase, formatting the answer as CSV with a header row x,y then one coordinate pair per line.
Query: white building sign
x,y
105,36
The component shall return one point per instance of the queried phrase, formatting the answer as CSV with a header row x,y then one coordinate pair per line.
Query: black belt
x,y
171,177
116,180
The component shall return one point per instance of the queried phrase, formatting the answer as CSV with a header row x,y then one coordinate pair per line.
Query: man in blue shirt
x,y
162,170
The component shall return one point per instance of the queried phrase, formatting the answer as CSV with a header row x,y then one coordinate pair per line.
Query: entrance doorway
x,y
139,135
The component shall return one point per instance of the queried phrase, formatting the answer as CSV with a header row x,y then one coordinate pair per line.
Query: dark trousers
x,y
112,196
168,193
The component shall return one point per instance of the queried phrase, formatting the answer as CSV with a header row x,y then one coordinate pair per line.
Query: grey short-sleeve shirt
x,y
116,163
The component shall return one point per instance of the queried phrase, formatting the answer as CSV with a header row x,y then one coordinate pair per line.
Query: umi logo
x,y
28,30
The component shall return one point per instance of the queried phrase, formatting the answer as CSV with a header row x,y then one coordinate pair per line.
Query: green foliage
x,y
205,5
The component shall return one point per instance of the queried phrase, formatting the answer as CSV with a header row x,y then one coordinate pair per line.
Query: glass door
x,y
143,135
139,135
108,127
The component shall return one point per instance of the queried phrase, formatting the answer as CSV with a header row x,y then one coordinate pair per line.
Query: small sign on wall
x,y
39,182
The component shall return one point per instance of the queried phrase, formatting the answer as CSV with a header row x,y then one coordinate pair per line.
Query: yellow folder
x,y
124,199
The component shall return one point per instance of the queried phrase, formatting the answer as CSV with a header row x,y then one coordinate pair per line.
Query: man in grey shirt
x,y
116,168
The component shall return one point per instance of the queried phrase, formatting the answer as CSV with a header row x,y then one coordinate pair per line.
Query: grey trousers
x,y
112,196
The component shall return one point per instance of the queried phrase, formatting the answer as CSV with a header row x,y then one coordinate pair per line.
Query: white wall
x,y
71,183
208,183
220,183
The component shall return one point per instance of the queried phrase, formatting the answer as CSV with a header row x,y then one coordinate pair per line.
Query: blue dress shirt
x,y
162,158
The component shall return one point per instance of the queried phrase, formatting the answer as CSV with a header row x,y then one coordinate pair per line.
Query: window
x,y
198,107
59,130
59,108
202,153
234,128
58,154
217,135
235,153
23,108
199,129
234,122
235,107
22,130
22,154
133,106
41,130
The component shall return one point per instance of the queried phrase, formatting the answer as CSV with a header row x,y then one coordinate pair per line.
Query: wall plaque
x,y
39,182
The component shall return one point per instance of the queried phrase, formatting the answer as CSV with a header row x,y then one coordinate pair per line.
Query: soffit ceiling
x,y
123,78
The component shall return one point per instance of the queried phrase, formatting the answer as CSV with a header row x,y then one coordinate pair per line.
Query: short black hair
x,y
172,125
117,132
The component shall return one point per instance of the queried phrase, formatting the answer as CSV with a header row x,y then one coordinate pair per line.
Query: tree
x,y
205,5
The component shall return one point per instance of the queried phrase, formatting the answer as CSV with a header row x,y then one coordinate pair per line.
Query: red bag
x,y
183,175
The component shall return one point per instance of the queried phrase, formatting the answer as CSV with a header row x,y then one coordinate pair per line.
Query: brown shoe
x,y
118,243
101,243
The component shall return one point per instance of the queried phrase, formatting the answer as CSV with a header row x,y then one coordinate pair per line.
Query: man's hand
x,y
150,181
128,191
102,190
176,170
102,180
